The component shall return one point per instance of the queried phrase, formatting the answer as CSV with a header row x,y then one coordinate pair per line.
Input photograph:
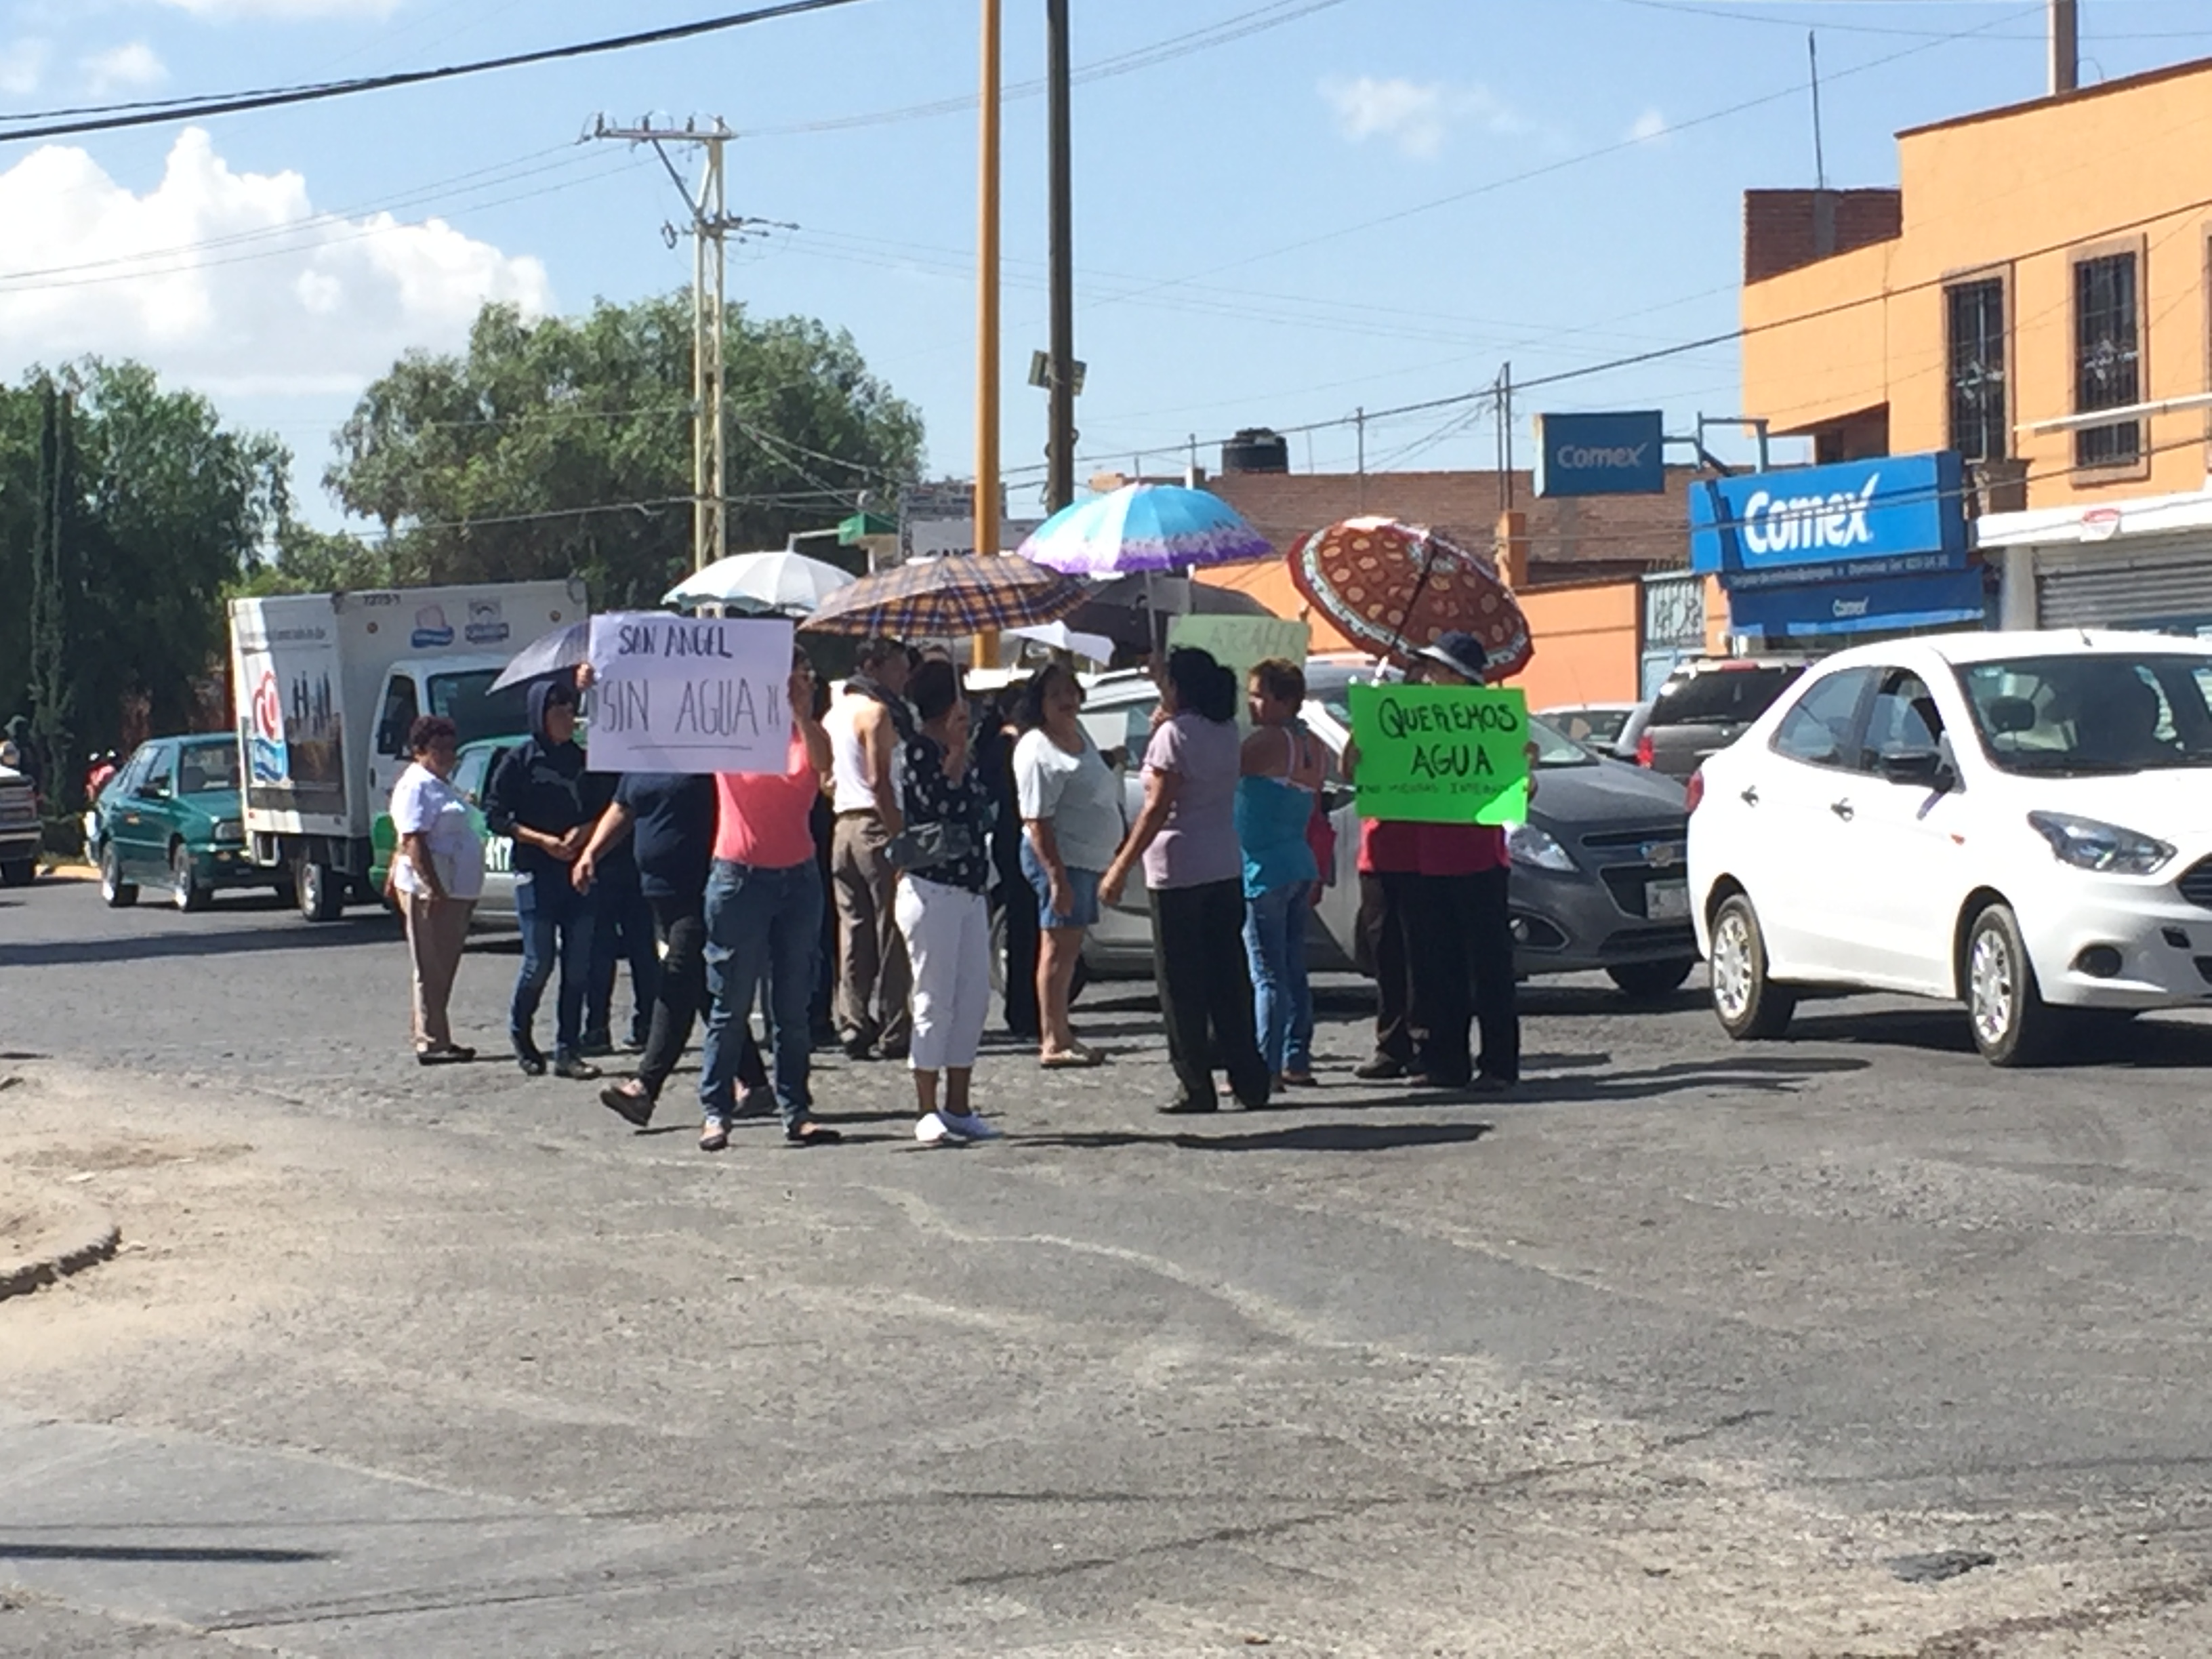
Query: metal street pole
x,y
987,298
1060,485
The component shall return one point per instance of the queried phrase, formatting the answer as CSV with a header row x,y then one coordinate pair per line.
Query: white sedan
x,y
2019,822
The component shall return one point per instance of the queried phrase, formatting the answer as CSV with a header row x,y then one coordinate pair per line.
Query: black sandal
x,y
810,1133
629,1102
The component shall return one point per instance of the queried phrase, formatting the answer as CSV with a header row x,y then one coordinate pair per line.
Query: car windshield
x,y
1331,686
206,769
477,711
2094,714
1728,696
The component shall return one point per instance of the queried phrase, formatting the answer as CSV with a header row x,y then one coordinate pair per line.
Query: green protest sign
x,y
1440,754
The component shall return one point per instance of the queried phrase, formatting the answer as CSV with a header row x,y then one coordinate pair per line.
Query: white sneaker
x,y
970,1126
932,1130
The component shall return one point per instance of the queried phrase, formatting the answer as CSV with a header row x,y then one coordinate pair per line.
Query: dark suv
x,y
1704,707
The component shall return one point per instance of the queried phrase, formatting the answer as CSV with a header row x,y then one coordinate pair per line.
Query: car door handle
x,y
1844,810
1751,796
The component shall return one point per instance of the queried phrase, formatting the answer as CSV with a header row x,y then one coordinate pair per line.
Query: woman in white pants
x,y
945,871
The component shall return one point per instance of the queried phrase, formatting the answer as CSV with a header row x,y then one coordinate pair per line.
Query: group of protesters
x,y
850,890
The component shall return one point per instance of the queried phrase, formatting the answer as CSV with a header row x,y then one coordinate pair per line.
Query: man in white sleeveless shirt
x,y
868,725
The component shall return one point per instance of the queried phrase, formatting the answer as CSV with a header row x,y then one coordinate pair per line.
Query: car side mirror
x,y
1921,769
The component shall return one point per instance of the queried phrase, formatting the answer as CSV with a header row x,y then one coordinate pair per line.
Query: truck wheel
x,y
115,892
185,890
1751,1007
1647,981
19,872
2013,1024
318,891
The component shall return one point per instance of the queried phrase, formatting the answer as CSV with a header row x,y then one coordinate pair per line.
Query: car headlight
x,y
2108,849
230,830
1530,845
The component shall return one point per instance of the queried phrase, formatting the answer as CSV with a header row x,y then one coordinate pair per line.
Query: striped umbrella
x,y
950,597
1144,527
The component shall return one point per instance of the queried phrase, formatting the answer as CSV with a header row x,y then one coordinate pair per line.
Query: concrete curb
x,y
88,1237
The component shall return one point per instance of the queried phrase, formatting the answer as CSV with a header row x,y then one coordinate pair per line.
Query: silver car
x,y
1600,880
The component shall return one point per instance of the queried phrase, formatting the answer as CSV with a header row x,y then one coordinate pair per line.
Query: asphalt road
x,y
1680,1350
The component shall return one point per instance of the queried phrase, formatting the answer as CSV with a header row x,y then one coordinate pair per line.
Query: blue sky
x,y
1354,202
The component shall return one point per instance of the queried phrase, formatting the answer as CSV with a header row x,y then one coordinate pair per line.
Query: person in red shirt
x,y
764,900
1435,924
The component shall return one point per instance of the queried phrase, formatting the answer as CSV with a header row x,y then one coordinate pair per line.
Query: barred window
x,y
1976,320
2107,358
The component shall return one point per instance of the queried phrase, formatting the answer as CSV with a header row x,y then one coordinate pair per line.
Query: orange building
x,y
2034,296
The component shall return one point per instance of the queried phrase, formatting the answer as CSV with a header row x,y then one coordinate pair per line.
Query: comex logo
x,y
1775,524
1581,457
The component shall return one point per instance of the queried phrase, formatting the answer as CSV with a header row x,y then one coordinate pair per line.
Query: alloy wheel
x,y
1731,965
1992,986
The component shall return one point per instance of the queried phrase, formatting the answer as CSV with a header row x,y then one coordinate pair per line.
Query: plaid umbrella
x,y
947,598
1397,589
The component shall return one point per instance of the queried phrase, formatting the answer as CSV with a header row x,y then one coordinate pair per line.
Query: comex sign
x,y
1600,454
1899,516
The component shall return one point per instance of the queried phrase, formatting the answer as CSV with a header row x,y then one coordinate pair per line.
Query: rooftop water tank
x,y
1257,449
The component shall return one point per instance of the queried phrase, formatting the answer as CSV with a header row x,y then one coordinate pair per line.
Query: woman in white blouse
x,y
1071,805
437,875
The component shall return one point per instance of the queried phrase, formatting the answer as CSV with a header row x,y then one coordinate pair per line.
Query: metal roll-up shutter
x,y
2072,591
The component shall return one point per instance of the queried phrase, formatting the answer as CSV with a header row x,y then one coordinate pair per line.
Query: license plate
x,y
1667,901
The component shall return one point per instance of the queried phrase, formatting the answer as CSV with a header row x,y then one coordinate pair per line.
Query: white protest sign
x,y
680,694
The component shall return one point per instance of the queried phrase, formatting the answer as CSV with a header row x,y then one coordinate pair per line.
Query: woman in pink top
x,y
764,903
1186,836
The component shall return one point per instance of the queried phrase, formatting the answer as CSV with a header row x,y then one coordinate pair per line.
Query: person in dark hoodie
x,y
542,798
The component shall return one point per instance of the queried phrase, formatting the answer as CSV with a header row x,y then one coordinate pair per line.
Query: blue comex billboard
x,y
1602,454
1900,515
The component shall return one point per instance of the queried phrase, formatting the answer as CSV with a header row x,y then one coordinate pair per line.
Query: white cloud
x,y
286,10
231,281
1417,116
132,67
23,66
1649,128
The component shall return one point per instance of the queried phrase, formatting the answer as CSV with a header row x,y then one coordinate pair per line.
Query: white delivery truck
x,y
327,685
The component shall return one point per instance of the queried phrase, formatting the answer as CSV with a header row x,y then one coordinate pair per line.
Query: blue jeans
x,y
557,929
623,931
1276,943
762,924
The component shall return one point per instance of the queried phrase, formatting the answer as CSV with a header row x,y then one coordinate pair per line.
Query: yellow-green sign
x,y
1238,642
1440,754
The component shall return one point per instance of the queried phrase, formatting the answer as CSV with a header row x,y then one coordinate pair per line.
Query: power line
x,y
1235,27
119,116
1564,162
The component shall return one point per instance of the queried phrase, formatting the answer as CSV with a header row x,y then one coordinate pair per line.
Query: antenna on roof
x,y
1820,158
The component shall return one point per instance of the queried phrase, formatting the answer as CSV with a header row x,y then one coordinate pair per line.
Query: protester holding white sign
x,y
693,695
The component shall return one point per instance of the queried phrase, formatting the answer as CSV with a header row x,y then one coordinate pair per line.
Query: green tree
x,y
563,446
160,511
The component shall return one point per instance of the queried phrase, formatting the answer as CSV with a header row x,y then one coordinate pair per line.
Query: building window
x,y
1976,323
2107,358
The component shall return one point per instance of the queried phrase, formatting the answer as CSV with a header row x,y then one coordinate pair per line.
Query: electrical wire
x,y
61,124
1549,168
1237,28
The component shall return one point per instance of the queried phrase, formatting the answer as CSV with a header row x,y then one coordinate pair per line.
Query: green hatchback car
x,y
172,817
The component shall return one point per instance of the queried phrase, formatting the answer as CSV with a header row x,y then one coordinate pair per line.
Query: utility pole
x,y
711,225
2065,48
986,295
1059,483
